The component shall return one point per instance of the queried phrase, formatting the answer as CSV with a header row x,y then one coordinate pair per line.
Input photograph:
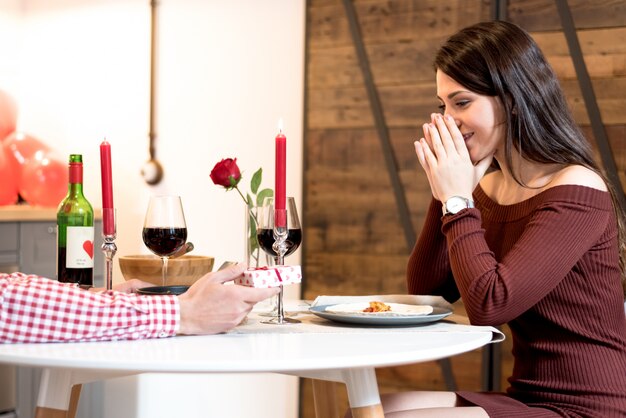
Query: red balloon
x,y
23,147
8,114
44,180
8,180
20,148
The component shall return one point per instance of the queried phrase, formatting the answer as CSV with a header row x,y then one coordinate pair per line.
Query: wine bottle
x,y
75,233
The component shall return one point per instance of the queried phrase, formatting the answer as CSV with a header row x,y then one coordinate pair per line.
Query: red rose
x,y
226,173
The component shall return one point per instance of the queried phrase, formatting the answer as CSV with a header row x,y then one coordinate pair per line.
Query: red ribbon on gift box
x,y
280,279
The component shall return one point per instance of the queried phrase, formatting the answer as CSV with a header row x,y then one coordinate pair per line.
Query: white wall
x,y
10,33
228,70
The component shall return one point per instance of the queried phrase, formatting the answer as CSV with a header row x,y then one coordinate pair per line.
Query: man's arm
x,y
36,309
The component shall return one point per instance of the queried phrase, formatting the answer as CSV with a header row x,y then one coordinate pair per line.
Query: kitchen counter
x,y
18,213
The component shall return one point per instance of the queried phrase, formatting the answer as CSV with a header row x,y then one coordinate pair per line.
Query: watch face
x,y
455,204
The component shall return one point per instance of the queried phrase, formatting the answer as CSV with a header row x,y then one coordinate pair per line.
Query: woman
x,y
537,243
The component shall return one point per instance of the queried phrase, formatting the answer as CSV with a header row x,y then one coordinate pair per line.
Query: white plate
x,y
377,319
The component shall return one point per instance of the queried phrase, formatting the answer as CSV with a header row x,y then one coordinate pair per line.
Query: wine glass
x,y
267,235
164,229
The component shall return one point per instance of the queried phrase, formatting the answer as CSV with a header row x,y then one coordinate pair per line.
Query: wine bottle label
x,y
79,247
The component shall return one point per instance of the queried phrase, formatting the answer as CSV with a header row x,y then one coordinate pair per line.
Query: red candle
x,y
108,215
280,194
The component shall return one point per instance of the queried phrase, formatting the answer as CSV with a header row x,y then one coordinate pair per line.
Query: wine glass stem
x,y
164,271
275,297
281,313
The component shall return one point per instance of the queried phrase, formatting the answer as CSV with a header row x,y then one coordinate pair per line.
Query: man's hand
x,y
210,307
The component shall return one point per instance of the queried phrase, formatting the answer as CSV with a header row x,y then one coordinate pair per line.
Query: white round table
x,y
336,356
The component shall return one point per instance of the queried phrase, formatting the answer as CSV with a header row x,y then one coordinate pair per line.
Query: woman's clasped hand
x,y
446,161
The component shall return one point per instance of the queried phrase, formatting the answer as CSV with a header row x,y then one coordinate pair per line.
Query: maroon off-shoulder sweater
x,y
549,268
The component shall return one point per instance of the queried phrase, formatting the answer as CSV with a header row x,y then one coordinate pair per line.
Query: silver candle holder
x,y
108,247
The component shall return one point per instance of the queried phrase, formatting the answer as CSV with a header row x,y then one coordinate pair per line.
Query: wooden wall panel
x,y
541,15
390,20
604,51
403,105
353,239
391,64
410,62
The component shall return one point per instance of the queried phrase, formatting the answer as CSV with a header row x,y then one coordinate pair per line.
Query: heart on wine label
x,y
88,247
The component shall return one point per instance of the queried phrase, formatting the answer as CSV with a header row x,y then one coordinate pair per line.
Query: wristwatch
x,y
455,204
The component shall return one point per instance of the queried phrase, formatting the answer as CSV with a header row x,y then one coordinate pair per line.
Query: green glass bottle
x,y
75,233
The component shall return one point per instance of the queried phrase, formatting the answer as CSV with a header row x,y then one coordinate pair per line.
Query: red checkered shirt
x,y
34,309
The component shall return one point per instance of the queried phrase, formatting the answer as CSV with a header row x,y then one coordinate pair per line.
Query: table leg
x,y
54,394
42,412
45,412
325,399
491,368
362,389
448,375
363,393
373,411
59,390
74,398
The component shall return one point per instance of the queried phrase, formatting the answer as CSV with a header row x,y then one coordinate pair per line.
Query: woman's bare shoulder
x,y
579,175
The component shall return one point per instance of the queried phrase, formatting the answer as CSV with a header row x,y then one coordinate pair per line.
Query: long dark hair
x,y
501,59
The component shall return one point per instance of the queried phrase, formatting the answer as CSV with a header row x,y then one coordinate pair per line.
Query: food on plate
x,y
395,309
377,307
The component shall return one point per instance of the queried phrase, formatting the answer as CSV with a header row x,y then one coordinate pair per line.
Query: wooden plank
x,y
411,62
610,97
361,198
346,148
43,412
539,15
408,62
342,273
343,148
74,398
410,105
325,399
404,106
364,231
319,3
372,200
371,411
392,20
617,140
604,51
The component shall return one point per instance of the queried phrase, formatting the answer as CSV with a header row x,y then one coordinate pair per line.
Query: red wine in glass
x,y
164,229
266,240
164,241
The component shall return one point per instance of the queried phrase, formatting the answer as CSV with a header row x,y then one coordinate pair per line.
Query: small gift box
x,y
270,276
